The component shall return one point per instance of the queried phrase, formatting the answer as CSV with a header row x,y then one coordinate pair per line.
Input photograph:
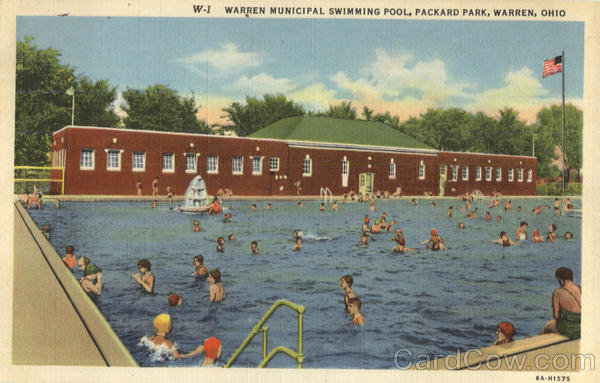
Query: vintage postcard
x,y
311,191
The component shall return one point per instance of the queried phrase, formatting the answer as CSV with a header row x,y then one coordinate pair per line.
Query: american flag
x,y
552,66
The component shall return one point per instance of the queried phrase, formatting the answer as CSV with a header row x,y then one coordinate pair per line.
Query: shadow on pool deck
x,y
54,321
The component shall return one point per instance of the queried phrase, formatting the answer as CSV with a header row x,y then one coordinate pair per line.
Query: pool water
x,y
431,303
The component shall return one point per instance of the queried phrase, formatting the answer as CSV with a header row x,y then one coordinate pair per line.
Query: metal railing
x,y
324,192
61,180
297,356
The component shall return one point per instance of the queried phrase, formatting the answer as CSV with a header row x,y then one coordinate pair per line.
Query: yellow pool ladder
x,y
264,329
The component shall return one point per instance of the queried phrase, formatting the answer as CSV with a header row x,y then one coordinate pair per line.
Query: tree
x,y
344,110
367,113
161,108
257,114
42,107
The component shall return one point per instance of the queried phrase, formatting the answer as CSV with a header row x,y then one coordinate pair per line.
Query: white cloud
x,y
260,84
227,59
315,97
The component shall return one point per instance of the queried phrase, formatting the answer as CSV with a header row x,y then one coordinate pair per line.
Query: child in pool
x,y
69,259
508,205
298,244
537,210
322,206
551,233
504,240
372,205
145,278
354,306
268,207
196,226
220,243
488,216
568,235
212,351
231,237
227,218
346,283
537,237
154,204
334,206
435,242
201,270
216,292
461,225
162,325
522,231
254,247
92,276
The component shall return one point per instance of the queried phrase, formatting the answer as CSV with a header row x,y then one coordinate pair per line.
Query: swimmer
x,y
461,225
537,210
354,310
432,204
212,351
522,231
322,206
508,205
138,188
162,325
505,241
449,213
365,229
231,237
492,204
376,228
568,235
401,248
372,205
413,202
537,237
69,259
201,270
498,219
175,300
300,204
298,234
488,216
145,278
227,218
170,195
298,244
215,207
519,208
389,228
196,226
216,292
472,214
551,233
463,208
92,276
504,333
269,206
254,247
363,241
334,206
557,204
220,243
154,204
155,187
46,231
346,283
435,242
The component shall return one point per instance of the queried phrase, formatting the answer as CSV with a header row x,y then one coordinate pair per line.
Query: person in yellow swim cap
x,y
162,324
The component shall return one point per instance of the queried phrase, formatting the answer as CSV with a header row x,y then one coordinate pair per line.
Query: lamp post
x,y
71,92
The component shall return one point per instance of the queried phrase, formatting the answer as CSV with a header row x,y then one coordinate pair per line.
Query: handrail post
x,y
300,358
264,331
62,184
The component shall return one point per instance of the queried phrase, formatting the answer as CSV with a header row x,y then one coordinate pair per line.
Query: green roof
x,y
339,131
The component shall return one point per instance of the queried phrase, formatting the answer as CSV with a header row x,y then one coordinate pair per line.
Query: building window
x,y
307,167
465,173
488,173
138,162
274,164
520,175
421,170
256,166
345,167
212,164
190,163
392,169
498,174
454,173
530,175
511,175
113,160
168,163
87,159
237,166
478,173
442,170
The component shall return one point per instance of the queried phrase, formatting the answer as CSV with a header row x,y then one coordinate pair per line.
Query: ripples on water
x,y
430,303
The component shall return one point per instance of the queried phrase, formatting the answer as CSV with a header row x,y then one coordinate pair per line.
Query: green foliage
x,y
367,113
555,188
344,110
257,114
160,108
42,107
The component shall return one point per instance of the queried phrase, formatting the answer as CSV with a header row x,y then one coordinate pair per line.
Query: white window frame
x,y
215,161
116,152
520,174
478,173
345,167
392,172
172,169
488,173
91,166
143,168
234,161
307,165
530,175
187,162
274,164
454,173
421,170
498,174
511,175
257,172
465,173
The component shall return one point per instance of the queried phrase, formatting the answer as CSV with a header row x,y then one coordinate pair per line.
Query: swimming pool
x,y
429,303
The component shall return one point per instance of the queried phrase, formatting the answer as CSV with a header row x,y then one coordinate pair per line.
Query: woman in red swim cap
x,y
212,351
504,333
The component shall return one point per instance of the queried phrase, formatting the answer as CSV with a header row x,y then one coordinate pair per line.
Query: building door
x,y
442,179
365,183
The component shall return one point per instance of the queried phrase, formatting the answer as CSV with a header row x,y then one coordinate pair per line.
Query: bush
x,y
555,189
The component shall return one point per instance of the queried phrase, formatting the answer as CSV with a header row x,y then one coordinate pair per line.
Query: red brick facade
x,y
416,170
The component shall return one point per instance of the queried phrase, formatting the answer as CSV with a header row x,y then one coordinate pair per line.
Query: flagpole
x,y
563,124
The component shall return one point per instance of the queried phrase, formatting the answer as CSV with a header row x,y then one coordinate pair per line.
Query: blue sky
x,y
399,66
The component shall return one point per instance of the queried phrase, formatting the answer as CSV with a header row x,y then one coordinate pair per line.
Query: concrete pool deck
x,y
54,321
